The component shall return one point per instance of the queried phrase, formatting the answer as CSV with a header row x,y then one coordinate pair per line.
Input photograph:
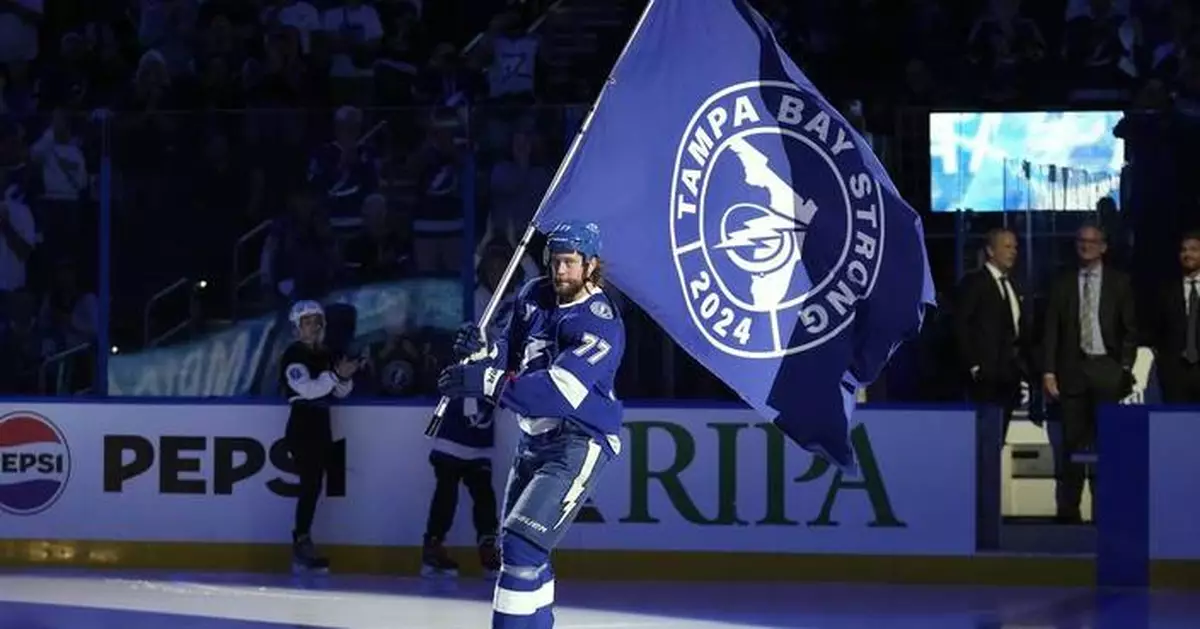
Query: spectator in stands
x,y
282,79
109,75
1083,8
346,169
19,31
21,347
169,27
1166,28
511,58
300,256
219,87
58,154
382,250
1099,51
1006,51
19,90
439,223
220,40
927,22
398,63
68,314
517,185
491,261
67,79
445,82
297,14
153,85
17,227
354,32
407,364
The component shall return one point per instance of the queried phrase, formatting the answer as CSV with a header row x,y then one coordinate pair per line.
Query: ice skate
x,y
305,559
489,557
436,562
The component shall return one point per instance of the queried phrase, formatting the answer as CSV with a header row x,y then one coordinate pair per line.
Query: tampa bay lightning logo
x,y
481,419
776,221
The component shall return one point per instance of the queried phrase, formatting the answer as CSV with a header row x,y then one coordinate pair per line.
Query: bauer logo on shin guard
x,y
35,463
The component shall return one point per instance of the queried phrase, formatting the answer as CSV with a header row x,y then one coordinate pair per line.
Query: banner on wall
x,y
687,480
240,360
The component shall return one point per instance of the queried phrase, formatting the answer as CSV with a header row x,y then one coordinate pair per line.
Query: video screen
x,y
977,160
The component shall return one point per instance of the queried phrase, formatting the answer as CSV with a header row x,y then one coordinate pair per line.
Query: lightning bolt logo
x,y
756,232
580,484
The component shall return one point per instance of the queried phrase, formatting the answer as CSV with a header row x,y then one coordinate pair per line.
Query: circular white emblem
x,y
776,222
601,309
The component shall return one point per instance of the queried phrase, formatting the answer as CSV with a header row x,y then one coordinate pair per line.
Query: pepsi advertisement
x,y
35,463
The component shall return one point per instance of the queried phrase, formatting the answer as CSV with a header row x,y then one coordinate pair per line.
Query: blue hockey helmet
x,y
305,308
574,237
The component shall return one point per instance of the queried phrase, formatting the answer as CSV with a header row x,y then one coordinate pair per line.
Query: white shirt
x,y
1002,285
64,169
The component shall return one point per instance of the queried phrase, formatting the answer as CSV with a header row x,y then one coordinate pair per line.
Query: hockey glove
x,y
471,381
469,345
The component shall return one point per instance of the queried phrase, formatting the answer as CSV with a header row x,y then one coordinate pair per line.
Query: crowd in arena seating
x,y
340,125
338,134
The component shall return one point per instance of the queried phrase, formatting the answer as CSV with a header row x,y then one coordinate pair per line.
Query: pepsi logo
x,y
35,463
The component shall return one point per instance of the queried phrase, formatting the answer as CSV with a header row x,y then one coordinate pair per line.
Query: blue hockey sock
x,y
524,597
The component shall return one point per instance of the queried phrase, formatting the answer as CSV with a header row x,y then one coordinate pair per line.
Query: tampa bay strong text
x,y
738,226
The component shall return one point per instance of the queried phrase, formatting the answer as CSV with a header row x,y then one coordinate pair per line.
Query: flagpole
x,y
515,262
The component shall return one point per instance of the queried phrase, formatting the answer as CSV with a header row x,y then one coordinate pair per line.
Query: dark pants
x,y
1003,395
476,476
552,476
1100,380
311,455
1180,381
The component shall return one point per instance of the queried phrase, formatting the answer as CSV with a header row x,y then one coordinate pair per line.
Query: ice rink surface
x,y
60,600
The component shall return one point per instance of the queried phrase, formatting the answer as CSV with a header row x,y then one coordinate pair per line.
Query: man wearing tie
x,y
1174,337
989,330
1090,345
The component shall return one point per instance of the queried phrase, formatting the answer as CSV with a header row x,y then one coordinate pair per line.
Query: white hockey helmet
x,y
305,308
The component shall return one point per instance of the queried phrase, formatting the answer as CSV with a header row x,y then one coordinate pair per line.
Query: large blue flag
x,y
747,217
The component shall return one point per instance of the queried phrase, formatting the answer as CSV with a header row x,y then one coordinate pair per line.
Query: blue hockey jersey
x,y
565,359
467,431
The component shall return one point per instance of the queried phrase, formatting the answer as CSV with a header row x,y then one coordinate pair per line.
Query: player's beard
x,y
569,290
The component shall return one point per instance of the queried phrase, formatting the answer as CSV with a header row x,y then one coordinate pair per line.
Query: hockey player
x,y
310,378
554,368
462,453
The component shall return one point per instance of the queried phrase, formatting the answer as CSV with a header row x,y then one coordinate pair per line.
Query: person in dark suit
x,y
989,327
1174,336
1089,342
